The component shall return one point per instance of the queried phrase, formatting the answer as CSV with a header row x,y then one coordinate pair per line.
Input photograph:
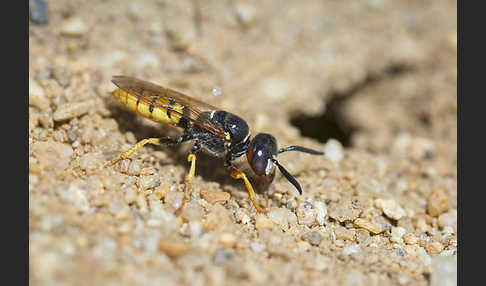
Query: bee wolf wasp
x,y
220,133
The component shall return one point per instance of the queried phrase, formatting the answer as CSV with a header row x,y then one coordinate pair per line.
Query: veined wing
x,y
163,104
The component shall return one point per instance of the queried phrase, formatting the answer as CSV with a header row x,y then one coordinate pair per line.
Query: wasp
x,y
220,133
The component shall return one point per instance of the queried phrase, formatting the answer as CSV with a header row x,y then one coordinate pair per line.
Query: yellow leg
x,y
127,154
237,174
190,158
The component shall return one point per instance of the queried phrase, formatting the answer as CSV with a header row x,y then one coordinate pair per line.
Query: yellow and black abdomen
x,y
159,109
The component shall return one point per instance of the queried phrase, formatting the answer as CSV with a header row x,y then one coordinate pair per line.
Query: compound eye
x,y
259,163
261,154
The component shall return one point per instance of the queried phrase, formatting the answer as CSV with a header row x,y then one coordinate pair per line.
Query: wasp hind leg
x,y
154,141
237,174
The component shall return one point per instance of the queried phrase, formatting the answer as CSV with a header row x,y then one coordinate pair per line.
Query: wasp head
x,y
262,157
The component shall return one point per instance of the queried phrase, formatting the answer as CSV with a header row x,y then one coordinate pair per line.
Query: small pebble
x,y
38,11
344,211
76,196
134,168
282,217
130,195
410,238
420,147
172,248
51,154
46,121
148,182
74,27
213,197
448,219
37,96
222,256
218,219
275,88
313,237
257,247
437,202
195,228
63,76
333,150
242,217
421,224
397,234
155,28
372,227
90,162
390,208
147,171
71,110
217,91
245,13
303,245
142,203
227,239
162,190
363,237
192,211
321,212
174,199
344,233
352,249
402,141
306,213
434,247
263,222
444,271
399,252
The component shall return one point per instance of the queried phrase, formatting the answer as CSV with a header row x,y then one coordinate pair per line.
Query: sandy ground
x,y
378,209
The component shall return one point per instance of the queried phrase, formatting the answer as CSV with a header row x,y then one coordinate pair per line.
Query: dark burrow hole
x,y
330,124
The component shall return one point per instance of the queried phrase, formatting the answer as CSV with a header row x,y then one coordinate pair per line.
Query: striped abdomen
x,y
159,110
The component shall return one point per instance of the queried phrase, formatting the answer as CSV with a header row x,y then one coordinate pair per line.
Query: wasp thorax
x,y
233,124
262,153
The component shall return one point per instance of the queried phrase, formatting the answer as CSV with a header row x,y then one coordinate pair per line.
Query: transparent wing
x,y
165,98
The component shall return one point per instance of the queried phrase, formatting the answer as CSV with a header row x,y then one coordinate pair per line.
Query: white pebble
x,y
401,143
397,234
217,91
74,27
245,13
390,208
354,248
282,217
242,217
37,96
257,247
75,196
306,213
321,212
333,150
444,271
72,109
195,228
152,244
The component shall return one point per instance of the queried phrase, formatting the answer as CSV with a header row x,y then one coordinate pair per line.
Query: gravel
x,y
380,208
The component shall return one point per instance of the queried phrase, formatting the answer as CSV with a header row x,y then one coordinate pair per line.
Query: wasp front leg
x,y
237,174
